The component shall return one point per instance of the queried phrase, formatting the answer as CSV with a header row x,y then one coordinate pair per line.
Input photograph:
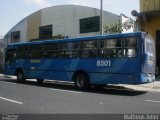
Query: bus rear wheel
x,y
81,81
20,77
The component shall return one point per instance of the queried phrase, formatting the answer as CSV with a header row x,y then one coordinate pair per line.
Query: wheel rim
x,y
19,76
81,82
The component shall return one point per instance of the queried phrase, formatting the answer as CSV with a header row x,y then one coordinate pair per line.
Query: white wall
x,y
1,45
65,19
22,27
61,18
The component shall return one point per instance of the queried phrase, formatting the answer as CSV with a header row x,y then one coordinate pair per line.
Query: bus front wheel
x,y
81,81
40,81
20,77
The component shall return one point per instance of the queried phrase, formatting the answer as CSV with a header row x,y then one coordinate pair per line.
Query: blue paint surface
x,y
136,70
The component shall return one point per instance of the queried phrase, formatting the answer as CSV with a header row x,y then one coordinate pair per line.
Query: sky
x,y
12,11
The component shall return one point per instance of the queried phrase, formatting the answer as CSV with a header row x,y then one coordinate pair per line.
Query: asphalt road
x,y
30,98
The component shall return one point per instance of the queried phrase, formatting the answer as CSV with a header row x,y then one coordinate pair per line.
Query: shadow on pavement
x,y
109,89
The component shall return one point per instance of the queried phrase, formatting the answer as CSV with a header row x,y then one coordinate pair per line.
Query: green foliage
x,y
113,28
118,28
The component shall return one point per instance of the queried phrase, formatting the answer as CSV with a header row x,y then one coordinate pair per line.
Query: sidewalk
x,y
154,86
146,87
2,76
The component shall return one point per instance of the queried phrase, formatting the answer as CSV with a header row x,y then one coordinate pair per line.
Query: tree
x,y
113,28
128,24
118,28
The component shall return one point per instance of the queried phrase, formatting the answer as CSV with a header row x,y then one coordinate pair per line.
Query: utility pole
x,y
101,18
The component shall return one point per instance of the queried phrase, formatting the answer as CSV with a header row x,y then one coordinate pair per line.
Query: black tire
x,y
81,81
40,81
20,76
99,86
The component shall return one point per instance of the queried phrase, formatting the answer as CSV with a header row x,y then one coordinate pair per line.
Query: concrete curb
x,y
146,87
2,76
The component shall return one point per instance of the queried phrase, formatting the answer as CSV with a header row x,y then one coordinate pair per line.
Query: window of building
x,y
45,32
91,24
15,36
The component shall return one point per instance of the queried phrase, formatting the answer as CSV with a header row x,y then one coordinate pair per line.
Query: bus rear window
x,y
149,47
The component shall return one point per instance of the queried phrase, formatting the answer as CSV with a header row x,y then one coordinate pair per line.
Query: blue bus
x,y
99,60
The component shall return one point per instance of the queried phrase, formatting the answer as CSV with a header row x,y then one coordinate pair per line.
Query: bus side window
x,y
10,55
7,58
119,53
111,48
130,47
88,49
69,50
36,51
130,52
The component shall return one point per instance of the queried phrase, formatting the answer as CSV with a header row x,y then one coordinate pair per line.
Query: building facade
x,y
151,24
149,21
1,53
60,22
150,10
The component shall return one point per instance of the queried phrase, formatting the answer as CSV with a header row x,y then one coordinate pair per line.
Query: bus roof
x,y
79,38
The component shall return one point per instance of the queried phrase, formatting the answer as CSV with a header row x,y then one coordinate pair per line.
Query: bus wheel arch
x,y
81,80
20,75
